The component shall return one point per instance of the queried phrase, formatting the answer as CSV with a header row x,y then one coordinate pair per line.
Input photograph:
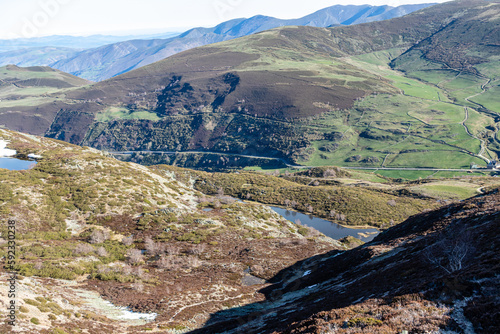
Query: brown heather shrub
x,y
138,286
153,248
127,270
101,251
128,241
83,249
197,249
167,262
134,256
329,173
173,249
98,237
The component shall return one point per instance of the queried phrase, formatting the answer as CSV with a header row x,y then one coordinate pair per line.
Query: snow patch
x,y
5,152
306,273
127,314
111,311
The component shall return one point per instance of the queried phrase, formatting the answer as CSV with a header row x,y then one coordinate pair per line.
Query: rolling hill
x,y
372,95
25,90
106,61
94,234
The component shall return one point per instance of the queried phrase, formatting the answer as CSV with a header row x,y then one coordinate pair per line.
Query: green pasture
x,y
123,113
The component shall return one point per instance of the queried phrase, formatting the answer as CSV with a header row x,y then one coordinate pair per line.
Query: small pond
x,y
16,164
328,228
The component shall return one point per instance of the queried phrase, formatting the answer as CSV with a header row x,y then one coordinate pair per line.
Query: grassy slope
x,y
31,97
420,127
314,96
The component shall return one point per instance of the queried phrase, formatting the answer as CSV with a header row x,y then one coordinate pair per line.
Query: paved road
x,y
297,166
424,168
209,152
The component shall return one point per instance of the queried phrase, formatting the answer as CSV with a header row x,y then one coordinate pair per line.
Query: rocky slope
x,y
436,272
142,238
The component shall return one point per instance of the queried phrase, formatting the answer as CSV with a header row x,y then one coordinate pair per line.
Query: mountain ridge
x,y
114,59
306,95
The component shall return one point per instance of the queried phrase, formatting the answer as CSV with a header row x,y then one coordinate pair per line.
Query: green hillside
x,y
417,91
30,97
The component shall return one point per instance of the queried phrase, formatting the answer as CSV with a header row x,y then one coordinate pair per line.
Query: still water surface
x,y
16,164
328,228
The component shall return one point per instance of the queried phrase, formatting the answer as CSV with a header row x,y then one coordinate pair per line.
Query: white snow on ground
x,y
5,152
129,315
34,156
114,312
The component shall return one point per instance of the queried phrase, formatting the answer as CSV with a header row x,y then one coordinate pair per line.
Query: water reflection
x,y
328,228
16,164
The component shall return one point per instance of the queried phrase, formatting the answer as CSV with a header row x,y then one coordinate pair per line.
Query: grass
x,y
29,101
447,190
490,99
370,176
418,89
405,174
123,113
379,58
436,159
477,122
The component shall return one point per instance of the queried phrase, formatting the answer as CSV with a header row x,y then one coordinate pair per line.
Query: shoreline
x,y
352,227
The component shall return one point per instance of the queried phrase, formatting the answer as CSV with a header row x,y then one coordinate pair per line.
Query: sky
x,y
36,18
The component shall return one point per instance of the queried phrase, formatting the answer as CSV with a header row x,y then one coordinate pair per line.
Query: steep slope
x,y
312,96
108,61
82,219
438,270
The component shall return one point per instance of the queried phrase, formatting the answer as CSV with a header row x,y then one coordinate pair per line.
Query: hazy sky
x,y
34,18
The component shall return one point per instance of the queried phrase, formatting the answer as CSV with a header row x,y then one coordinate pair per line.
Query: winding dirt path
x,y
205,302
483,144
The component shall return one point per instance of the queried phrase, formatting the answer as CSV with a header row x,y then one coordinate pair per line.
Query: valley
x,y
174,246
298,95
333,174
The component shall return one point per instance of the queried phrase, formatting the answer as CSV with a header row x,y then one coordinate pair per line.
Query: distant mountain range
x,y
74,42
117,57
414,91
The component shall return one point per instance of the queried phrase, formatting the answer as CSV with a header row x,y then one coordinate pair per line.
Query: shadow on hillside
x,y
398,266
287,280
